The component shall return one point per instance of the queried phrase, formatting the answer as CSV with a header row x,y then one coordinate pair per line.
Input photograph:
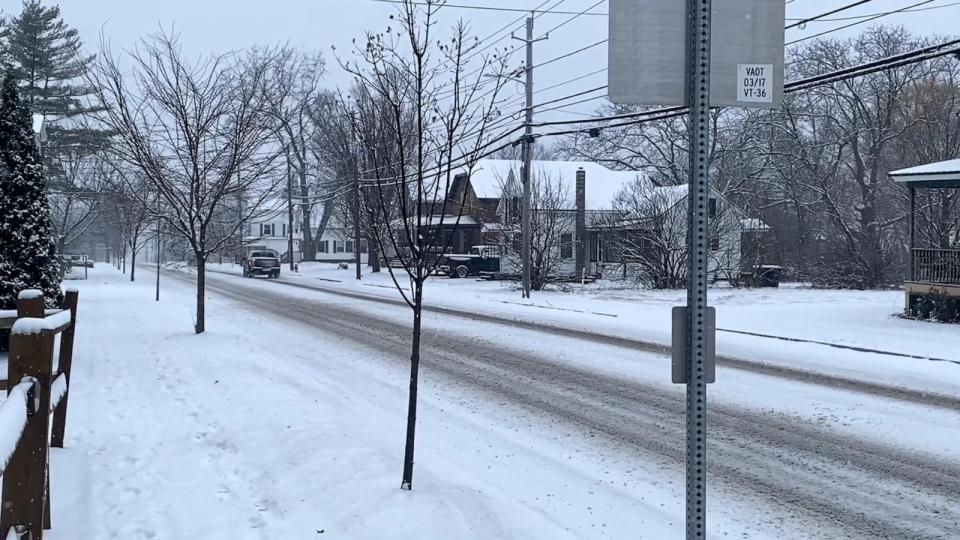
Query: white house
x,y
272,231
336,244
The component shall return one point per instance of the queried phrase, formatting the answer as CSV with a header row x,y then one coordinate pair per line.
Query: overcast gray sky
x,y
208,26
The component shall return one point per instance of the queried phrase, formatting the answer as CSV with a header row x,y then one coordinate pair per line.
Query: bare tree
x,y
293,90
815,170
645,227
75,192
129,195
200,133
552,216
449,88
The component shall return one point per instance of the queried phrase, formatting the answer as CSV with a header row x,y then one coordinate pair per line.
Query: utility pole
x,y
356,199
290,210
158,248
527,151
698,334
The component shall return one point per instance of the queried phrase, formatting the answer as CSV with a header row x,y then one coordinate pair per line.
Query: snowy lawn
x,y
865,319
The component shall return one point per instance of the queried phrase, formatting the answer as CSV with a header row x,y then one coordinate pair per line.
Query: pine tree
x,y
48,60
28,257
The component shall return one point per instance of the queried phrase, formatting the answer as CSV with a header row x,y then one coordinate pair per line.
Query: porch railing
x,y
936,266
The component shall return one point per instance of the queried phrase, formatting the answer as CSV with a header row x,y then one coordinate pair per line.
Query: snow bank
x,y
13,418
29,294
57,390
31,326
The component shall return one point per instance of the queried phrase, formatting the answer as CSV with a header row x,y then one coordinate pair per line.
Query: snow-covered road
x,y
287,420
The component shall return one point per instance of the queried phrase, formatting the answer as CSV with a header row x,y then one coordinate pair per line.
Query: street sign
x,y
681,345
648,53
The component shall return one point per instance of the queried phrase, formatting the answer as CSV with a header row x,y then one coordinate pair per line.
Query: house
x,y
932,287
40,131
593,234
336,244
271,231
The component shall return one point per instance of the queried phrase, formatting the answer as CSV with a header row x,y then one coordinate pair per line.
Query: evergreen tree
x,y
28,257
48,60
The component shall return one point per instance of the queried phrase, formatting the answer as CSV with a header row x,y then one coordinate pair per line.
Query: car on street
x,y
262,262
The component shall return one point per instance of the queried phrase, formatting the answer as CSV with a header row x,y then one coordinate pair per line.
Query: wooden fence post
x,y
24,480
66,362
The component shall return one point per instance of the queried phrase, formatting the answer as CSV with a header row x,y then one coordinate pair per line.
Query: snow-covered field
x,y
285,420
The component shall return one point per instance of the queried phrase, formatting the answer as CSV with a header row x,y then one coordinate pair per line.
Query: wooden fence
x,y
37,388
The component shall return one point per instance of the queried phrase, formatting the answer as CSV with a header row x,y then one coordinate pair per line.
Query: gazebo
x,y
933,285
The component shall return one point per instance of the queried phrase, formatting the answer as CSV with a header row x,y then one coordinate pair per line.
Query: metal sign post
x,y
698,234
651,62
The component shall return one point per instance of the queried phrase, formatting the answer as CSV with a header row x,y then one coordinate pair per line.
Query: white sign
x,y
648,51
755,83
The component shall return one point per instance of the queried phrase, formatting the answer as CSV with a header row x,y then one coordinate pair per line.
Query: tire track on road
x,y
919,397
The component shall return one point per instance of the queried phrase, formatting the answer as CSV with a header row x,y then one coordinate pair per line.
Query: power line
x,y
803,22
817,17
668,112
927,53
576,16
495,8
572,53
868,19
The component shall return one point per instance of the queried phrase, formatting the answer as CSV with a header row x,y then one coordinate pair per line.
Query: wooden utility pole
x,y
290,211
159,243
527,150
356,201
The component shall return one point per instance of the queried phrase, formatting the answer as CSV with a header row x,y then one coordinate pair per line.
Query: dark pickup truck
x,y
480,260
262,263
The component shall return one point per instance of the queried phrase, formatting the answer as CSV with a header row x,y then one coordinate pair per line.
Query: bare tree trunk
x,y
133,263
373,255
324,219
308,245
200,324
414,375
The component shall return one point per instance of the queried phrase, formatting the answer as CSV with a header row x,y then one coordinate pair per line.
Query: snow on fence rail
x,y
26,429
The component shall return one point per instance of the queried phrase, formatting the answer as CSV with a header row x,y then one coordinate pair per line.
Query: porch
x,y
932,287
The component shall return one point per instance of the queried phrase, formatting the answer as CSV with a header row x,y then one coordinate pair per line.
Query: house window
x,y
715,242
363,245
338,246
324,246
566,246
517,241
266,229
349,246
284,229
712,209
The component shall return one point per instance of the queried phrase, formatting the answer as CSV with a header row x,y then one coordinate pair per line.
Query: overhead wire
x,y
667,111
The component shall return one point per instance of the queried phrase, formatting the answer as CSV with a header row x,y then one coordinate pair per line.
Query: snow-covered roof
x,y
943,174
754,225
489,177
